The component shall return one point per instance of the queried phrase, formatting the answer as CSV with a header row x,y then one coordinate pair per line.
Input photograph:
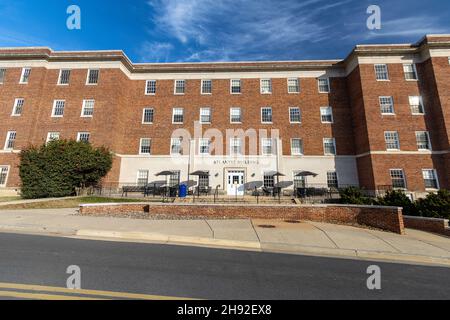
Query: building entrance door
x,y
235,183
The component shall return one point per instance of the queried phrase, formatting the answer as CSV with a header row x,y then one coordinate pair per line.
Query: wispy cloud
x,y
155,51
410,26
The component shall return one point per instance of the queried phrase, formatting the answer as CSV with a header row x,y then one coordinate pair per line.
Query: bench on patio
x,y
133,189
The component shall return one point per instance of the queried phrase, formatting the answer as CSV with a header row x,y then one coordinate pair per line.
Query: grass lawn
x,y
67,203
7,199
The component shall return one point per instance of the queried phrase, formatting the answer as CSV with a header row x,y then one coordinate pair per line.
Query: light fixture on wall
x,y
253,175
216,175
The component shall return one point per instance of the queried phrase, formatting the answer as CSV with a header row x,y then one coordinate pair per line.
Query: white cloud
x,y
410,26
155,51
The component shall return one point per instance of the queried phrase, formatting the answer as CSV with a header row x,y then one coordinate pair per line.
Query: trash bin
x,y
183,191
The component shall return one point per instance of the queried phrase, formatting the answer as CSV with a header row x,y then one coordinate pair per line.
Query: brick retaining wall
x,y
439,226
385,218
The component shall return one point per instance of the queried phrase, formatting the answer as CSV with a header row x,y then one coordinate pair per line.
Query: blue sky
x,y
219,30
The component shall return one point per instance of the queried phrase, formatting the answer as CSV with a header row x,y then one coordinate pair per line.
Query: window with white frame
x,y
392,140
64,76
204,146
235,115
178,115
18,107
150,87
410,71
147,115
329,146
203,181
416,105
381,72
174,179
25,77
430,179
299,182
236,86
83,137
88,108
206,87
293,85
58,108
142,179
236,146
3,175
2,75
324,85
269,180
10,142
205,115
52,136
267,146
295,115
93,76
296,147
266,86
332,180
398,178
180,86
266,115
176,146
423,140
326,114
387,105
145,146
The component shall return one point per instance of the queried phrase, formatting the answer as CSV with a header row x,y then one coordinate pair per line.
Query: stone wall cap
x,y
427,218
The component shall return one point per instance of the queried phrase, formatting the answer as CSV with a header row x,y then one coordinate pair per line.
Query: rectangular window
x,y
205,115
93,76
178,115
416,105
3,176
398,179
266,86
206,87
423,140
2,75
203,181
235,115
326,114
150,87
10,142
296,147
295,115
324,85
329,146
235,86
147,115
58,108
236,146
266,115
410,71
204,146
174,179
381,71
142,179
64,77
387,105
293,85
180,86
392,140
83,137
269,180
88,108
176,146
267,146
332,180
145,146
430,179
18,107
25,77
299,182
52,136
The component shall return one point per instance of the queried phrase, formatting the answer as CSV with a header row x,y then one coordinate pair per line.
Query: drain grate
x,y
267,226
292,221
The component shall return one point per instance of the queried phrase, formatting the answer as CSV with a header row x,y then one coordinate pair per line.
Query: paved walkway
x,y
310,238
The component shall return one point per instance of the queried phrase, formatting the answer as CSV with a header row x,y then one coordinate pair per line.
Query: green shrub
x,y
57,168
353,195
396,198
435,205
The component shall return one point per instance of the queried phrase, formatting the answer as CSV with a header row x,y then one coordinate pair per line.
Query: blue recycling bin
x,y
183,191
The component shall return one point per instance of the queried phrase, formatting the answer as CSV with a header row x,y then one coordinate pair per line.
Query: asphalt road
x,y
202,273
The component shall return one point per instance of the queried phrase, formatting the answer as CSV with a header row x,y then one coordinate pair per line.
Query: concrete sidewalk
x,y
310,238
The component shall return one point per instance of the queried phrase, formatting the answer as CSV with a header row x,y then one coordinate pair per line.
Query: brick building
x,y
377,119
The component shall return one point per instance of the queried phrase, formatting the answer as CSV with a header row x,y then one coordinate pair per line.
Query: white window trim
x,y
232,153
13,114
334,145
83,109
290,120
404,177
84,132
398,141
173,116
6,141
175,87
142,170
49,134
421,102
8,170
437,179
387,72
298,82
201,87
415,71
261,86
172,144
271,146
2,81
302,153
429,141
318,85
337,176
393,106
87,78
266,122
22,74
210,115
59,78
231,86
332,115
146,87
54,108
200,147
231,115
140,146
143,115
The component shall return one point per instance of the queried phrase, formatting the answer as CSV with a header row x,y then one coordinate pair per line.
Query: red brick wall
x,y
439,226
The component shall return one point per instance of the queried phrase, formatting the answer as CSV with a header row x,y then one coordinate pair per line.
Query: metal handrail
x,y
216,193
